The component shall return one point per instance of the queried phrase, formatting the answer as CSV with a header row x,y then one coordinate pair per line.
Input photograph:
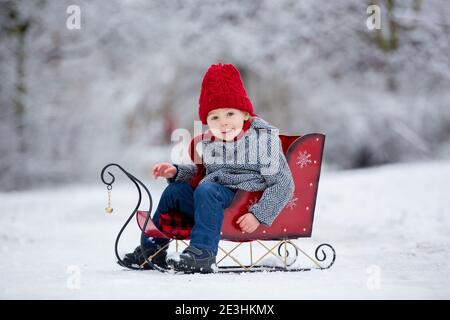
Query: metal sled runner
x,y
304,157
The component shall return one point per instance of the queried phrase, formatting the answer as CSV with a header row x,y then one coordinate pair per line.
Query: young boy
x,y
234,159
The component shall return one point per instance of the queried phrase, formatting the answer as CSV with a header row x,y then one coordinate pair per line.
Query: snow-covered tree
x,y
72,100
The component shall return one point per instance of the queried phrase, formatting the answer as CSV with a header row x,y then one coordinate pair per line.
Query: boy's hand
x,y
164,169
248,222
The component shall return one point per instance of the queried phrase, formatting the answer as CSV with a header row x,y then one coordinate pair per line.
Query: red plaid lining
x,y
175,225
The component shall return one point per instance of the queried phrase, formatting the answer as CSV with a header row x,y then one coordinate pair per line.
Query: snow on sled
x,y
279,250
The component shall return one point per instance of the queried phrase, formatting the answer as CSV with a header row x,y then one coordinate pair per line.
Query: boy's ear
x,y
246,116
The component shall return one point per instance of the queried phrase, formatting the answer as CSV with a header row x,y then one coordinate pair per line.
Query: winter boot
x,y
136,258
194,260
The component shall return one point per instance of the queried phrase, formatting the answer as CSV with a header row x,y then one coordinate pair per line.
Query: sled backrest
x,y
304,157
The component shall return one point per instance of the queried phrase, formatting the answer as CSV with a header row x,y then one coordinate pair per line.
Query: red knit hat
x,y
222,87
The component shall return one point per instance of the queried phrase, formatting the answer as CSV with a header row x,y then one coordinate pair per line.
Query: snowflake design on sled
x,y
303,159
292,203
251,203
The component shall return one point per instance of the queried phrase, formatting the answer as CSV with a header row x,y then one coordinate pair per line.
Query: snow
x,y
389,226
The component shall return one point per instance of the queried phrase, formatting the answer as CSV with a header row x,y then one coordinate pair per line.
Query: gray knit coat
x,y
248,164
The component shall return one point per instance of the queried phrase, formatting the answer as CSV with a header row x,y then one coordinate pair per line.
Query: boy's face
x,y
226,123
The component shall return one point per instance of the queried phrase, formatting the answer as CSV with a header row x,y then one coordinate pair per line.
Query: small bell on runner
x,y
109,209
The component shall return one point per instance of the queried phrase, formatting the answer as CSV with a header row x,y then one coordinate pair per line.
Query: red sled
x,y
295,221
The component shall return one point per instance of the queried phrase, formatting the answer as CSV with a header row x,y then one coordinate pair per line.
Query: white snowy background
x,y
390,227
73,100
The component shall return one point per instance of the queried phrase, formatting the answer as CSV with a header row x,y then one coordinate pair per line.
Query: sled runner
x,y
295,221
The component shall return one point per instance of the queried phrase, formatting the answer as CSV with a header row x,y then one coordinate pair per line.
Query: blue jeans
x,y
205,205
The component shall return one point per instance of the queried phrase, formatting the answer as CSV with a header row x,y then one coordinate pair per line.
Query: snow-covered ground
x,y
389,225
